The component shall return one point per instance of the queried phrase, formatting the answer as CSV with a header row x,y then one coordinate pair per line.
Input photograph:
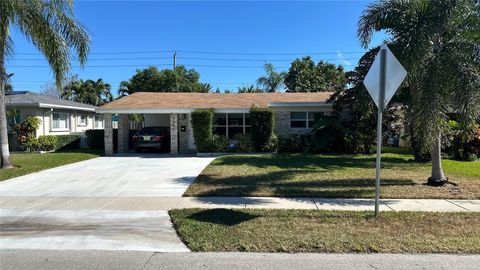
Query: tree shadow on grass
x,y
312,161
282,184
227,217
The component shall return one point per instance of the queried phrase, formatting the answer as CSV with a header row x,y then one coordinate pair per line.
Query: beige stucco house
x,y
57,116
293,114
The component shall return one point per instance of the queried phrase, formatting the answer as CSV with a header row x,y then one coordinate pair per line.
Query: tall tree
x,y
273,80
304,76
166,80
438,41
90,92
51,27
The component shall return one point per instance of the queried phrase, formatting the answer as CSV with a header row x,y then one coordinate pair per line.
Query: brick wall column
x,y
122,133
108,137
173,133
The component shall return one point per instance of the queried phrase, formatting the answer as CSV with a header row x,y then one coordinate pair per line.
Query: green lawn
x,y
310,175
29,163
260,230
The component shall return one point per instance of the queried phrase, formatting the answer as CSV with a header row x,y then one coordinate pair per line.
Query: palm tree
x,y
51,27
90,92
273,80
438,42
249,89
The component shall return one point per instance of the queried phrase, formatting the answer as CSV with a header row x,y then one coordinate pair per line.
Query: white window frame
x,y
306,120
67,124
79,119
95,122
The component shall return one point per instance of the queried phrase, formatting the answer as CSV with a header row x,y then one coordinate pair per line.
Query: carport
x,y
178,121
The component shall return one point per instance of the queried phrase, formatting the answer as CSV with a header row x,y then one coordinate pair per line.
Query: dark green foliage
x,y
219,144
262,122
202,121
95,138
356,113
67,142
461,146
304,76
153,80
243,143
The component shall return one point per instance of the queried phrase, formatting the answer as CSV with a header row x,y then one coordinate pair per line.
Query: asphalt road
x,y
51,259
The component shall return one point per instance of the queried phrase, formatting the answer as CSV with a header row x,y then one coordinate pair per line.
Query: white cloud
x,y
342,60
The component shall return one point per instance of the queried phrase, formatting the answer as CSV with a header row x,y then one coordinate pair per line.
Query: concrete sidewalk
x,y
167,203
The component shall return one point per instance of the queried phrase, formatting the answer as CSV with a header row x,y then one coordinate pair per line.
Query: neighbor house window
x,y
231,124
82,120
60,121
303,119
99,121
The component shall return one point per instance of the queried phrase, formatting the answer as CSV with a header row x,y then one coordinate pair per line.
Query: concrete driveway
x,y
119,176
107,203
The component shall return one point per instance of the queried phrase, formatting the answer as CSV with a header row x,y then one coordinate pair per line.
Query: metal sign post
x,y
382,80
384,66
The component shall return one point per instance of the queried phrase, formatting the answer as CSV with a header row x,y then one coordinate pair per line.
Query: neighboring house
x,y
294,114
58,116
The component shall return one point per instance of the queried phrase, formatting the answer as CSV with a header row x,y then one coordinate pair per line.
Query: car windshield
x,y
153,130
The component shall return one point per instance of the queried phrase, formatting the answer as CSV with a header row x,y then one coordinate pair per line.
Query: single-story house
x,y
57,116
294,114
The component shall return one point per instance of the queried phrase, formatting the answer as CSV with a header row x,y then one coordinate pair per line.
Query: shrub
x,y
219,144
95,138
65,142
42,143
262,124
243,143
459,145
202,122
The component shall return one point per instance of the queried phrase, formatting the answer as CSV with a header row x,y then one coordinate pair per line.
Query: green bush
x,y
262,125
67,142
460,145
243,144
202,122
95,138
42,143
219,144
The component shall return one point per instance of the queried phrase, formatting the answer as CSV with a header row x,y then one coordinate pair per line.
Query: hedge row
x,y
95,138
53,143
261,139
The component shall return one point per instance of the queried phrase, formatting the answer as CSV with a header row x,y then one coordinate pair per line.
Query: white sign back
x,y
395,74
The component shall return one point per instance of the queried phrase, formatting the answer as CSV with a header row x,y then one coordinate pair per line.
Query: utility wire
x,y
187,58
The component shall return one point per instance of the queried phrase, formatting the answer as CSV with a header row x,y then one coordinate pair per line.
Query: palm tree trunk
x,y
5,154
437,178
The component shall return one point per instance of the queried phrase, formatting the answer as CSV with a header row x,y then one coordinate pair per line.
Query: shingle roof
x,y
26,98
159,100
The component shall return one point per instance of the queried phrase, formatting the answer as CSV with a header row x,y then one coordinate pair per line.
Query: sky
x,y
227,42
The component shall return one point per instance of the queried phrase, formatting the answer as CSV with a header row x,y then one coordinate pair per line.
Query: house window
x,y
98,121
60,121
303,119
82,120
231,124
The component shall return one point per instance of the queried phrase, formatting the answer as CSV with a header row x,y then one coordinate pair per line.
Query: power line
x,y
188,58
210,52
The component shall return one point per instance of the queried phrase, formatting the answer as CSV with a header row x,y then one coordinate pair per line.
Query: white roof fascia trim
x,y
232,110
46,105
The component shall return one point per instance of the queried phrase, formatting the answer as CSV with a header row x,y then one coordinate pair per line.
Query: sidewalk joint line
x,y
146,262
458,205
384,203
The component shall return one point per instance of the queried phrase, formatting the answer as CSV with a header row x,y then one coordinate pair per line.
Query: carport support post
x,y
173,133
108,134
123,133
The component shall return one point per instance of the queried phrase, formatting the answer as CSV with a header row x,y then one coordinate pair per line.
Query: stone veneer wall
x,y
183,135
173,133
108,135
